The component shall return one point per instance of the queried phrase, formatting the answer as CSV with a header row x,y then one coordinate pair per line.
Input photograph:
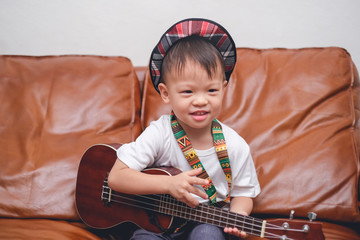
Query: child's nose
x,y
200,100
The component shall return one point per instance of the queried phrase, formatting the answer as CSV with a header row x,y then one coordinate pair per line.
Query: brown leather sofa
x,y
297,108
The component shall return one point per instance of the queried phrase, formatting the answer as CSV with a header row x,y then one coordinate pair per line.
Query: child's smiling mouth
x,y
199,115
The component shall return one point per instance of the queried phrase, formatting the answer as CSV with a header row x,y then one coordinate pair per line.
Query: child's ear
x,y
164,93
225,83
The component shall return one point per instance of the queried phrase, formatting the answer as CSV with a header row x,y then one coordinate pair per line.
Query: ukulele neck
x,y
211,215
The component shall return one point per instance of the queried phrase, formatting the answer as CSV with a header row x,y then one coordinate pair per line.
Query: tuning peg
x,y
312,216
291,214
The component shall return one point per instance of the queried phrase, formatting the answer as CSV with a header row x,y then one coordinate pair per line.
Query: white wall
x,y
132,27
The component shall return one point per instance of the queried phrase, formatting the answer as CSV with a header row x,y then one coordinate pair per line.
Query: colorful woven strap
x,y
194,161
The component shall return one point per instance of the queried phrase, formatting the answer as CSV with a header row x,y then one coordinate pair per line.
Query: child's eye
x,y
187,91
213,90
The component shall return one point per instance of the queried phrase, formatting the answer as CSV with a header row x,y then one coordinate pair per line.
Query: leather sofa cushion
x,y
53,108
298,109
43,229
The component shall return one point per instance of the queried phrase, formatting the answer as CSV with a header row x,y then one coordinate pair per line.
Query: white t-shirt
x,y
157,146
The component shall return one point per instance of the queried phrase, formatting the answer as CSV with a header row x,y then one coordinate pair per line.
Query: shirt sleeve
x,y
244,178
142,153
246,181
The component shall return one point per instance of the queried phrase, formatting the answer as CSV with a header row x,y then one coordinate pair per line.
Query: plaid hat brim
x,y
212,31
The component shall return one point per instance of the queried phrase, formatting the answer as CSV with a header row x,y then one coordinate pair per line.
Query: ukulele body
x,y
100,212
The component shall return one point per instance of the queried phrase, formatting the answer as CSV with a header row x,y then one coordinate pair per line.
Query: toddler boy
x,y
190,68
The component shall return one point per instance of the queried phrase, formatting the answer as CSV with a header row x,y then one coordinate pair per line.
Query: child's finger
x,y
199,181
235,232
199,192
194,172
196,180
190,200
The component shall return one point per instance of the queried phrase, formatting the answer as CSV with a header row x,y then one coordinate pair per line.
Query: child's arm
x,y
243,206
127,180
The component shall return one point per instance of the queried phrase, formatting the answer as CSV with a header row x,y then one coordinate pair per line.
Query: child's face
x,y
195,98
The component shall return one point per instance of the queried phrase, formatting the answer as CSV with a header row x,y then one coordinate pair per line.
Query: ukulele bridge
x,y
106,192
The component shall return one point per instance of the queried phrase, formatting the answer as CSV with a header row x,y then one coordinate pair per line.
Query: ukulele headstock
x,y
287,229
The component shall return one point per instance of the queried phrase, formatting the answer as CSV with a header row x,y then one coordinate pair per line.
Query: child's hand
x,y
180,186
243,206
235,232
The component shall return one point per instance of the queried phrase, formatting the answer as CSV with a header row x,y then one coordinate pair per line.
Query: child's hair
x,y
193,48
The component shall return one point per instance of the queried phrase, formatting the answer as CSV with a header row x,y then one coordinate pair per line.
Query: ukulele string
x,y
149,206
231,219
216,218
152,207
220,211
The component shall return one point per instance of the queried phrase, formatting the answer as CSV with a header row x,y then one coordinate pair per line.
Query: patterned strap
x,y
194,161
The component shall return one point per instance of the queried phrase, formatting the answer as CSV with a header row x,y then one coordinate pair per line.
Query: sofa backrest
x,y
299,111
54,108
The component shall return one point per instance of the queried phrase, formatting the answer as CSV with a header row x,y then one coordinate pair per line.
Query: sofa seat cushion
x,y
53,108
338,232
43,229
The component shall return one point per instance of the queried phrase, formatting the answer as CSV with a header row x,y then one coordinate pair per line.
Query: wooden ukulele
x,y
100,207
